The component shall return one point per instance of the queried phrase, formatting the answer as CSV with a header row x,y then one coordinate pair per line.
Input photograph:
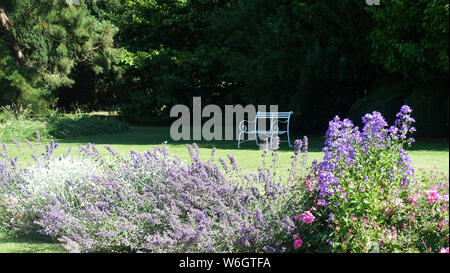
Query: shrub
x,y
74,125
359,194
17,122
153,202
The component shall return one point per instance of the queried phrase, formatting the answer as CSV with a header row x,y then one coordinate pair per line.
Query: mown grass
x,y
426,153
11,243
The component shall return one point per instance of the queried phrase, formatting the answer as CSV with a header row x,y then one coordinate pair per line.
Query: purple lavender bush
x,y
154,202
24,190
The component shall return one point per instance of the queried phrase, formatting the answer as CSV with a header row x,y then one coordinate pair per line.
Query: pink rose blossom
x,y
398,202
444,250
414,198
306,217
298,243
433,196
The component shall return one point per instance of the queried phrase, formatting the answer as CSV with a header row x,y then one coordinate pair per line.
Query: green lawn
x,y
10,243
426,153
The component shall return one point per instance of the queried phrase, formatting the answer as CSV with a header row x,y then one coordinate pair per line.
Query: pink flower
x,y
414,198
306,217
398,202
298,243
433,196
444,197
443,250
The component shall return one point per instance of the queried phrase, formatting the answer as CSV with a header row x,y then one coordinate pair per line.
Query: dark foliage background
x,y
319,58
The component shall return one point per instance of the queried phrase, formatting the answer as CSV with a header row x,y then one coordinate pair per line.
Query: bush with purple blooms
x,y
364,195
147,202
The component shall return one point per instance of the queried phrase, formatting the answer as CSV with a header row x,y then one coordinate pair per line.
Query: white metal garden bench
x,y
275,117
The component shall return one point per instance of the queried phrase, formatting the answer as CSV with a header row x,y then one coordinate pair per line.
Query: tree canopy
x,y
54,37
316,57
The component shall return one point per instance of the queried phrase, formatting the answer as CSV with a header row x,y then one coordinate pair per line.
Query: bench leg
x,y
271,142
239,140
289,140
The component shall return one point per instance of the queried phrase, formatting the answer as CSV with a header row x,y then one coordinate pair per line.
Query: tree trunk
x,y
12,40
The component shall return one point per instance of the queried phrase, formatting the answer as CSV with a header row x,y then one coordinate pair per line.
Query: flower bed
x,y
363,197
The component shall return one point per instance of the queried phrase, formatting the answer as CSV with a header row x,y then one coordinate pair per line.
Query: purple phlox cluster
x,y
402,125
405,167
328,184
373,131
341,138
348,150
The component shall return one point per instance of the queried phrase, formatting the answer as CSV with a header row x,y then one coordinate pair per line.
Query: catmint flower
x,y
297,146
29,143
16,142
305,144
276,143
233,162
111,150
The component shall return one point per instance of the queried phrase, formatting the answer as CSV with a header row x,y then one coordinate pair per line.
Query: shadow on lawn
x,y
141,135
146,135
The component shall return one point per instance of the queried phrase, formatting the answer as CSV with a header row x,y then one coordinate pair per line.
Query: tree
x,y
4,21
54,37
411,38
244,51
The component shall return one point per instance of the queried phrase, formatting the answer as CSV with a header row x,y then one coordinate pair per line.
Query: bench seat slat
x,y
265,132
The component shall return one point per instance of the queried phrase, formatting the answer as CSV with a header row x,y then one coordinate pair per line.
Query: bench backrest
x,y
273,115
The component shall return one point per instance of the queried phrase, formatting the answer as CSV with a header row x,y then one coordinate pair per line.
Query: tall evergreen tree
x,y
42,42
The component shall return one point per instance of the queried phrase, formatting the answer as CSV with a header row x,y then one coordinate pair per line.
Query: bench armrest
x,y
243,127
